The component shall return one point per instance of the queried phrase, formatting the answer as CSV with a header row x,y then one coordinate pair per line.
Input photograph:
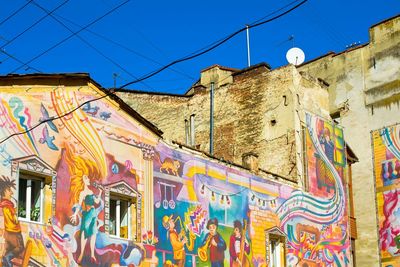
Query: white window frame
x,y
124,191
131,204
33,167
276,250
275,247
28,195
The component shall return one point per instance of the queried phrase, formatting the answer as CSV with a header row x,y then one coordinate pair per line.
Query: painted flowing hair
x,y
78,167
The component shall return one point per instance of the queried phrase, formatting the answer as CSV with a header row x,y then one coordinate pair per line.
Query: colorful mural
x,y
209,213
386,149
81,191
80,162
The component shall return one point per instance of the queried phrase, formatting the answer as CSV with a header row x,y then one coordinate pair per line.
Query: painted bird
x,y
90,110
45,116
46,138
105,115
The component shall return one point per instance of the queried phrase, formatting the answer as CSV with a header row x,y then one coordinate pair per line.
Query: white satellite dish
x,y
295,56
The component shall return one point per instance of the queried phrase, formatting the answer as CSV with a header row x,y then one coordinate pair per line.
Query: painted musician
x,y
235,243
177,242
216,244
14,244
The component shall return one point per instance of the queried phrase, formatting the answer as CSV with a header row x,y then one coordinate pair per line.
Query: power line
x,y
276,11
14,13
34,24
124,47
87,43
56,117
18,60
111,92
73,34
213,46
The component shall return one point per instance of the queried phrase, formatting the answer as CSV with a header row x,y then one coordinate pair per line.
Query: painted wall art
x,y
208,213
96,188
386,156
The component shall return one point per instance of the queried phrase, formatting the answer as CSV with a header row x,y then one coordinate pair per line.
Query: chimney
x,y
250,161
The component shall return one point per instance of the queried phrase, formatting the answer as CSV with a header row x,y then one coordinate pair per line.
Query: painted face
x,y
8,193
171,224
236,231
213,229
86,180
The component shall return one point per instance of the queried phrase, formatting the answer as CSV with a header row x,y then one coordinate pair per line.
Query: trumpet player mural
x,y
234,218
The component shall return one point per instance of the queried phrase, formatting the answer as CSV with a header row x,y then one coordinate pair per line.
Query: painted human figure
x,y
87,201
217,244
177,241
235,243
327,144
14,244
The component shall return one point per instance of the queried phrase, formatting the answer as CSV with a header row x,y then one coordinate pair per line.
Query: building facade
x,y
256,110
87,181
364,91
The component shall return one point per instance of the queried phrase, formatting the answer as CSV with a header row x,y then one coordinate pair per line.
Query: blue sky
x,y
142,36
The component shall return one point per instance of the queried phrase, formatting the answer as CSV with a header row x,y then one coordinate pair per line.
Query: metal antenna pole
x,y
115,75
248,45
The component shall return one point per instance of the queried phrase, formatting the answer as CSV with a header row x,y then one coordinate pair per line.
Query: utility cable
x,y
73,34
124,47
33,25
87,43
56,117
14,13
18,60
224,40
112,92
276,11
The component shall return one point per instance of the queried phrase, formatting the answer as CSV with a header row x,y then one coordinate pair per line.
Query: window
x,y
123,213
120,216
30,198
275,247
277,251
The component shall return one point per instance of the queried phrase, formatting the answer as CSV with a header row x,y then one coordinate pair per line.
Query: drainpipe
x,y
212,119
192,143
187,132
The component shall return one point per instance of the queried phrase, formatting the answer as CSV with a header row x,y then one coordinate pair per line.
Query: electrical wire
x,y
72,35
276,11
126,48
56,117
34,24
14,13
87,43
111,92
212,47
18,60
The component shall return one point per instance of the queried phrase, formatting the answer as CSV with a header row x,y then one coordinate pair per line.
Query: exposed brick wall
x,y
260,221
243,113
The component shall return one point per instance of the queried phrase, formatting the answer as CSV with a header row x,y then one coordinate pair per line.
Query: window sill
x,y
29,221
121,238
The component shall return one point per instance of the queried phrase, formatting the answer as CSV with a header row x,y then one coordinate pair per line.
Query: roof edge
x,y
262,64
384,21
149,92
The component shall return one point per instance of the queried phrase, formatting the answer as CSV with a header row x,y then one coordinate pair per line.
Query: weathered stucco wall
x,y
258,111
364,89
